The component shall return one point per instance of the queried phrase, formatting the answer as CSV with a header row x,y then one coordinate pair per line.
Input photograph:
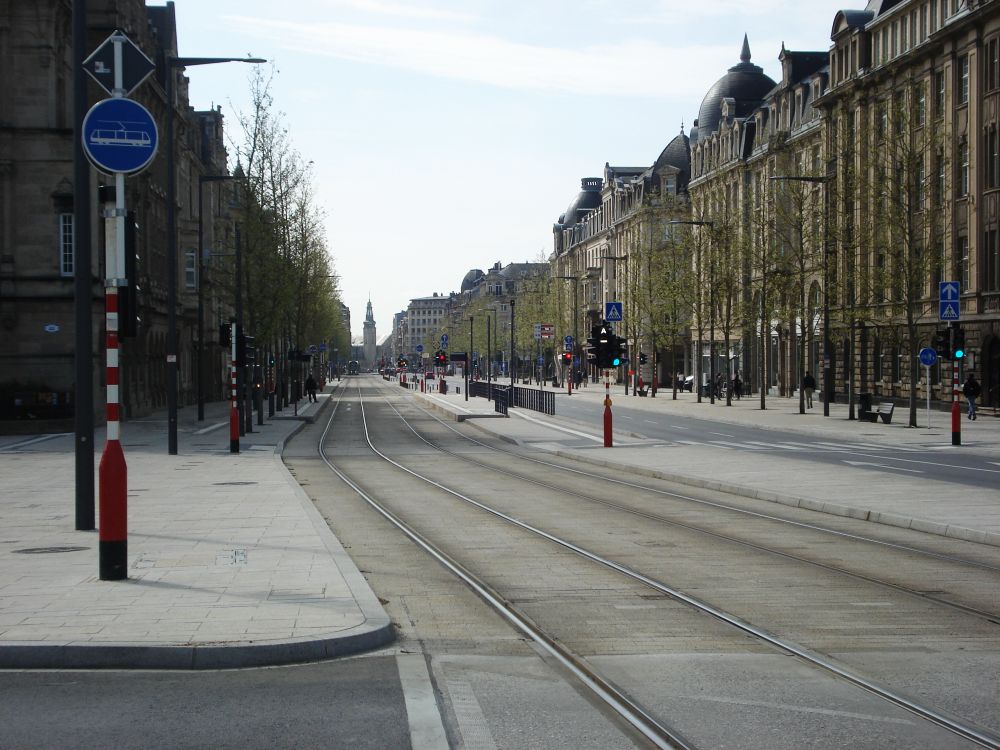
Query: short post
x,y
927,380
234,412
956,411
607,408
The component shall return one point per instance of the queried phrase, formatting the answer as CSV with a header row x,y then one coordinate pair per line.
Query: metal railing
x,y
501,399
522,398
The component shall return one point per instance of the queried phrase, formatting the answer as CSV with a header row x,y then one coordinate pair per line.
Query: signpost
x,y
613,312
927,358
950,309
119,137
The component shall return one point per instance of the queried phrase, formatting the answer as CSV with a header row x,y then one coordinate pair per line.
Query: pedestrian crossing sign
x,y
613,312
949,310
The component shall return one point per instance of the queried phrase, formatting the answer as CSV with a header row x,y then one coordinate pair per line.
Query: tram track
x,y
989,616
631,711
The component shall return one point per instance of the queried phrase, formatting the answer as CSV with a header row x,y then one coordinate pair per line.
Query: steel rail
x,y
991,617
630,711
954,724
723,506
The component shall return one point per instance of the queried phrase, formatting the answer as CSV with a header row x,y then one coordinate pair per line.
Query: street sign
x,y
119,135
313,349
322,347
568,341
444,340
420,348
548,330
568,347
538,331
949,307
458,356
613,312
928,357
136,67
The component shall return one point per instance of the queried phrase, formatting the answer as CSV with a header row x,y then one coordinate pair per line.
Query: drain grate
x,y
48,550
220,484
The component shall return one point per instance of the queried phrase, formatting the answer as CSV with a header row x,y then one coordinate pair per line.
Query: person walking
x,y
971,390
809,385
737,386
311,387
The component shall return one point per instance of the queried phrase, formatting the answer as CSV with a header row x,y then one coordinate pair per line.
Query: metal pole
x,y
511,365
201,307
239,325
489,344
468,362
83,395
171,267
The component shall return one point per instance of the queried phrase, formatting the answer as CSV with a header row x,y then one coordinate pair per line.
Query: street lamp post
x,y
512,366
711,310
201,290
576,330
827,347
172,64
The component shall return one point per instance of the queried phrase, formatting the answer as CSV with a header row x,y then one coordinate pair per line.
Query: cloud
x,y
638,68
400,10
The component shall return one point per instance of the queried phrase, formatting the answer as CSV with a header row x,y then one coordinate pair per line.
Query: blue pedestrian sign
x,y
420,348
949,307
928,357
568,341
444,339
119,136
613,312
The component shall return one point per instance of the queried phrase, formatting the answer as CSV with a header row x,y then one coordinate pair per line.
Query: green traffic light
x,y
959,353
616,361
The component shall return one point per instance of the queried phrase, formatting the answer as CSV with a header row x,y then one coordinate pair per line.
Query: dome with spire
x,y
677,154
745,82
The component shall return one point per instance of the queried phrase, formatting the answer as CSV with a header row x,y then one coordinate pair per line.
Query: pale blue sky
x,y
449,135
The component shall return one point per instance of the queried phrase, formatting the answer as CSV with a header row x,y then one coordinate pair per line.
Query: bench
x,y
883,410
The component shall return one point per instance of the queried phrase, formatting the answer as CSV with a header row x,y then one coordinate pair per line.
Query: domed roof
x,y
471,278
677,154
745,82
589,197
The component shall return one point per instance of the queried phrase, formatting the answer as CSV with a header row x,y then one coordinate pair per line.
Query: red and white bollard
x,y
956,409
234,411
112,472
607,409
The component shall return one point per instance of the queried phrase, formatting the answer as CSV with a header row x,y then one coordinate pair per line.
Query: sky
x,y
447,135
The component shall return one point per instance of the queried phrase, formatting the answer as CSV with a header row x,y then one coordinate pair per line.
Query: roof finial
x,y
745,53
682,126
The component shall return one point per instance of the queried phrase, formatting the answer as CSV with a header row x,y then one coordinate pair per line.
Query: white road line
x,y
678,427
722,434
651,421
426,729
210,428
32,441
770,446
727,444
596,439
801,709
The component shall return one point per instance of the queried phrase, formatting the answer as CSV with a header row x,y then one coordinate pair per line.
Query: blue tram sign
x,y
119,136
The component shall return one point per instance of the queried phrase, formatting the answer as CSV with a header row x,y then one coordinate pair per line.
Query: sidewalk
x,y
909,499
229,562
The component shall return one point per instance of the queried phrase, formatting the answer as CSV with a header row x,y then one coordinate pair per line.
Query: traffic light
x,y
942,343
957,343
567,357
226,335
440,358
401,363
616,350
643,358
604,346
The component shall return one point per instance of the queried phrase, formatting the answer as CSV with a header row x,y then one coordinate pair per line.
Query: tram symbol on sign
x,y
119,133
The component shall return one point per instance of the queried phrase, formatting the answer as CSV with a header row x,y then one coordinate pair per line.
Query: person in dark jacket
x,y
737,386
809,385
971,390
311,387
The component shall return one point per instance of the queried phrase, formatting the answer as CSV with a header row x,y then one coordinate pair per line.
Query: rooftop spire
x,y
745,53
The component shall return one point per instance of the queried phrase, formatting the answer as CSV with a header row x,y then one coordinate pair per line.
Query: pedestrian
x,y
311,387
971,389
719,380
809,385
737,386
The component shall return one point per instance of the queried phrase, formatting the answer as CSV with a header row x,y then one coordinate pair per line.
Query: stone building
x,y
37,238
369,337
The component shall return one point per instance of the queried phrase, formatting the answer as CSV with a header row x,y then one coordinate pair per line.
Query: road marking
x,y
930,463
727,444
32,441
801,709
651,421
882,466
678,427
518,413
426,730
205,430
722,434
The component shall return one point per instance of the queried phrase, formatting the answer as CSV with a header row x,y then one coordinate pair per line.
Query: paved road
x,y
935,457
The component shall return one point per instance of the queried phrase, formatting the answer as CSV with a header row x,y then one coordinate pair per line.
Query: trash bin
x,y
865,401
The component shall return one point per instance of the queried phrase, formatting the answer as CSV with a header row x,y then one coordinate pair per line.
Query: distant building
x,y
369,337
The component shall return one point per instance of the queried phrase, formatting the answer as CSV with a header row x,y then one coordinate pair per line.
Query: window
x,y
66,242
962,256
991,255
992,63
190,269
920,105
921,180
963,168
941,183
881,120
939,93
992,157
963,80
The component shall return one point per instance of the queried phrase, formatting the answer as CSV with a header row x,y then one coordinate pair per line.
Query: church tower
x,y
369,336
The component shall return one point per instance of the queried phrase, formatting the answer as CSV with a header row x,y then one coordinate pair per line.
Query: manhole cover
x,y
47,550
219,484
